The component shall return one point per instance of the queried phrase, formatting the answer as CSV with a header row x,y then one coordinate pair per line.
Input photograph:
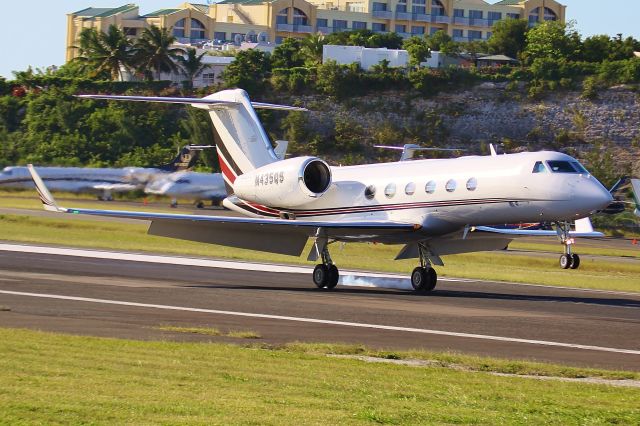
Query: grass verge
x,y
207,331
58,379
597,274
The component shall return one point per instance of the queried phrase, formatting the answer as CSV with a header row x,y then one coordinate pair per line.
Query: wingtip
x,y
48,202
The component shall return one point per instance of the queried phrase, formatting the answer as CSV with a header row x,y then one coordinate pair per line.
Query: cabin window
x,y
561,167
472,184
430,187
539,167
390,190
370,192
410,188
451,185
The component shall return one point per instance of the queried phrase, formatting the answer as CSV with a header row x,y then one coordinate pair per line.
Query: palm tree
x,y
153,52
312,46
192,65
109,52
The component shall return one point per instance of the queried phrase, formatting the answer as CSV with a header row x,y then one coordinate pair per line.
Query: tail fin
x,y
186,159
243,145
48,202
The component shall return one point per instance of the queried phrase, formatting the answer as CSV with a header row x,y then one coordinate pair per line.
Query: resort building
x,y
275,20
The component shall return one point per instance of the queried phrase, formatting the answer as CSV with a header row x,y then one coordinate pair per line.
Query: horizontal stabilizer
x,y
188,101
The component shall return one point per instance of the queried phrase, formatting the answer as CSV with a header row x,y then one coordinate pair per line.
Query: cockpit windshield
x,y
539,167
566,167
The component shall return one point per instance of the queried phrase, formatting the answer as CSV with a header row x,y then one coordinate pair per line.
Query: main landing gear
x,y
325,274
424,278
568,260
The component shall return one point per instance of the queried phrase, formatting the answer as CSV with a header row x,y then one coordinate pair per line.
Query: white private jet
x,y
431,207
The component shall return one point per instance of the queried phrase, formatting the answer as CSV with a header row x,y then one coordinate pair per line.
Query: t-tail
x,y
185,160
242,143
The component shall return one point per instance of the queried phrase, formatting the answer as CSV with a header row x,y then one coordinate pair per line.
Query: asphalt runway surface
x,y
126,295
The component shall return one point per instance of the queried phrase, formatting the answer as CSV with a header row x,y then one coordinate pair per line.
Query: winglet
x,y
48,202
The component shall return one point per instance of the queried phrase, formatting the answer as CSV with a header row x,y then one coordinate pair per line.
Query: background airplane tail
x,y
185,160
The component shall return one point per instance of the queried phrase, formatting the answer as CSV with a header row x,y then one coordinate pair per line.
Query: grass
x,y
208,331
597,274
57,379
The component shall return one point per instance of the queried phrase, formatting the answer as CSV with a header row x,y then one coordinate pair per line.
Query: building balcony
x,y
493,21
421,17
460,20
324,30
298,28
284,27
440,19
460,39
477,22
404,16
407,35
384,14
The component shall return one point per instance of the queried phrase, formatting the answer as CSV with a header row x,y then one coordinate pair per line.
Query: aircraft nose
x,y
599,196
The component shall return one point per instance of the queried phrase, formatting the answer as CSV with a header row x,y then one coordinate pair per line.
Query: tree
x,y
248,71
153,52
552,39
597,48
312,47
438,40
110,52
192,65
288,54
365,38
509,37
418,49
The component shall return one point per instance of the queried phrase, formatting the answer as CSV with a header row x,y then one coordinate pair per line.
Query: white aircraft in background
x,y
431,207
196,186
102,181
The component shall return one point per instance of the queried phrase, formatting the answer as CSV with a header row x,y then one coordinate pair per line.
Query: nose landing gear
x,y
424,278
568,260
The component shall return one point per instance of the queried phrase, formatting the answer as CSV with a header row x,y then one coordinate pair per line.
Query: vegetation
x,y
50,378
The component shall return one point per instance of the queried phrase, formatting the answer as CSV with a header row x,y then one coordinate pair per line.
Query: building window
x,y
220,36
401,28
495,16
475,14
322,22
430,187
283,16
434,30
475,35
458,33
451,185
549,15
379,6
489,34
410,188
359,25
513,15
130,32
279,39
378,27
417,30
437,8
534,16
390,190
458,13
178,28
402,8
299,17
339,24
198,30
208,78
418,9
370,192
472,184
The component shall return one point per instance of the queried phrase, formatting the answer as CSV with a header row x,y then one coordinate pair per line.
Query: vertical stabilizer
x,y
635,186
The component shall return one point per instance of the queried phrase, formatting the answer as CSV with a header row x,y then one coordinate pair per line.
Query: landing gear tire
x,y
565,261
575,261
424,279
321,276
334,276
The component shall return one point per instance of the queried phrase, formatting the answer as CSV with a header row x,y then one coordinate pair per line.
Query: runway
x,y
127,295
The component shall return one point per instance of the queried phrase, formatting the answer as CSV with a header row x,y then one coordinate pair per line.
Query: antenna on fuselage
x,y
408,150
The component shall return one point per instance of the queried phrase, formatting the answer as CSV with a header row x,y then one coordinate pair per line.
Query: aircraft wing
x,y
116,187
269,235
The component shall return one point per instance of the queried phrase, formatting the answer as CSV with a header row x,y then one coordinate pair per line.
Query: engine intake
x,y
286,183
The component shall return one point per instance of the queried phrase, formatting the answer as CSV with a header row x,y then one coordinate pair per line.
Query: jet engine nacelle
x,y
286,183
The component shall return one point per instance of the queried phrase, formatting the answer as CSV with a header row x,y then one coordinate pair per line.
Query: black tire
x,y
432,279
320,276
333,277
565,261
419,278
575,261
200,205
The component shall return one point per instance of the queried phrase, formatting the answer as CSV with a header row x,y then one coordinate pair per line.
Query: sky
x,y
34,33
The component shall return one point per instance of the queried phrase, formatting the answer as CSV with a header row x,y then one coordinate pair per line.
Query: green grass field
x,y
597,274
56,379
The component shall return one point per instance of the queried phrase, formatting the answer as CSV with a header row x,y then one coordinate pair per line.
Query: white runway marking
x,y
326,322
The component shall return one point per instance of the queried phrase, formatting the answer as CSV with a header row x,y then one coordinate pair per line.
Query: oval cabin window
x,y
410,188
430,187
472,184
370,192
390,190
450,186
